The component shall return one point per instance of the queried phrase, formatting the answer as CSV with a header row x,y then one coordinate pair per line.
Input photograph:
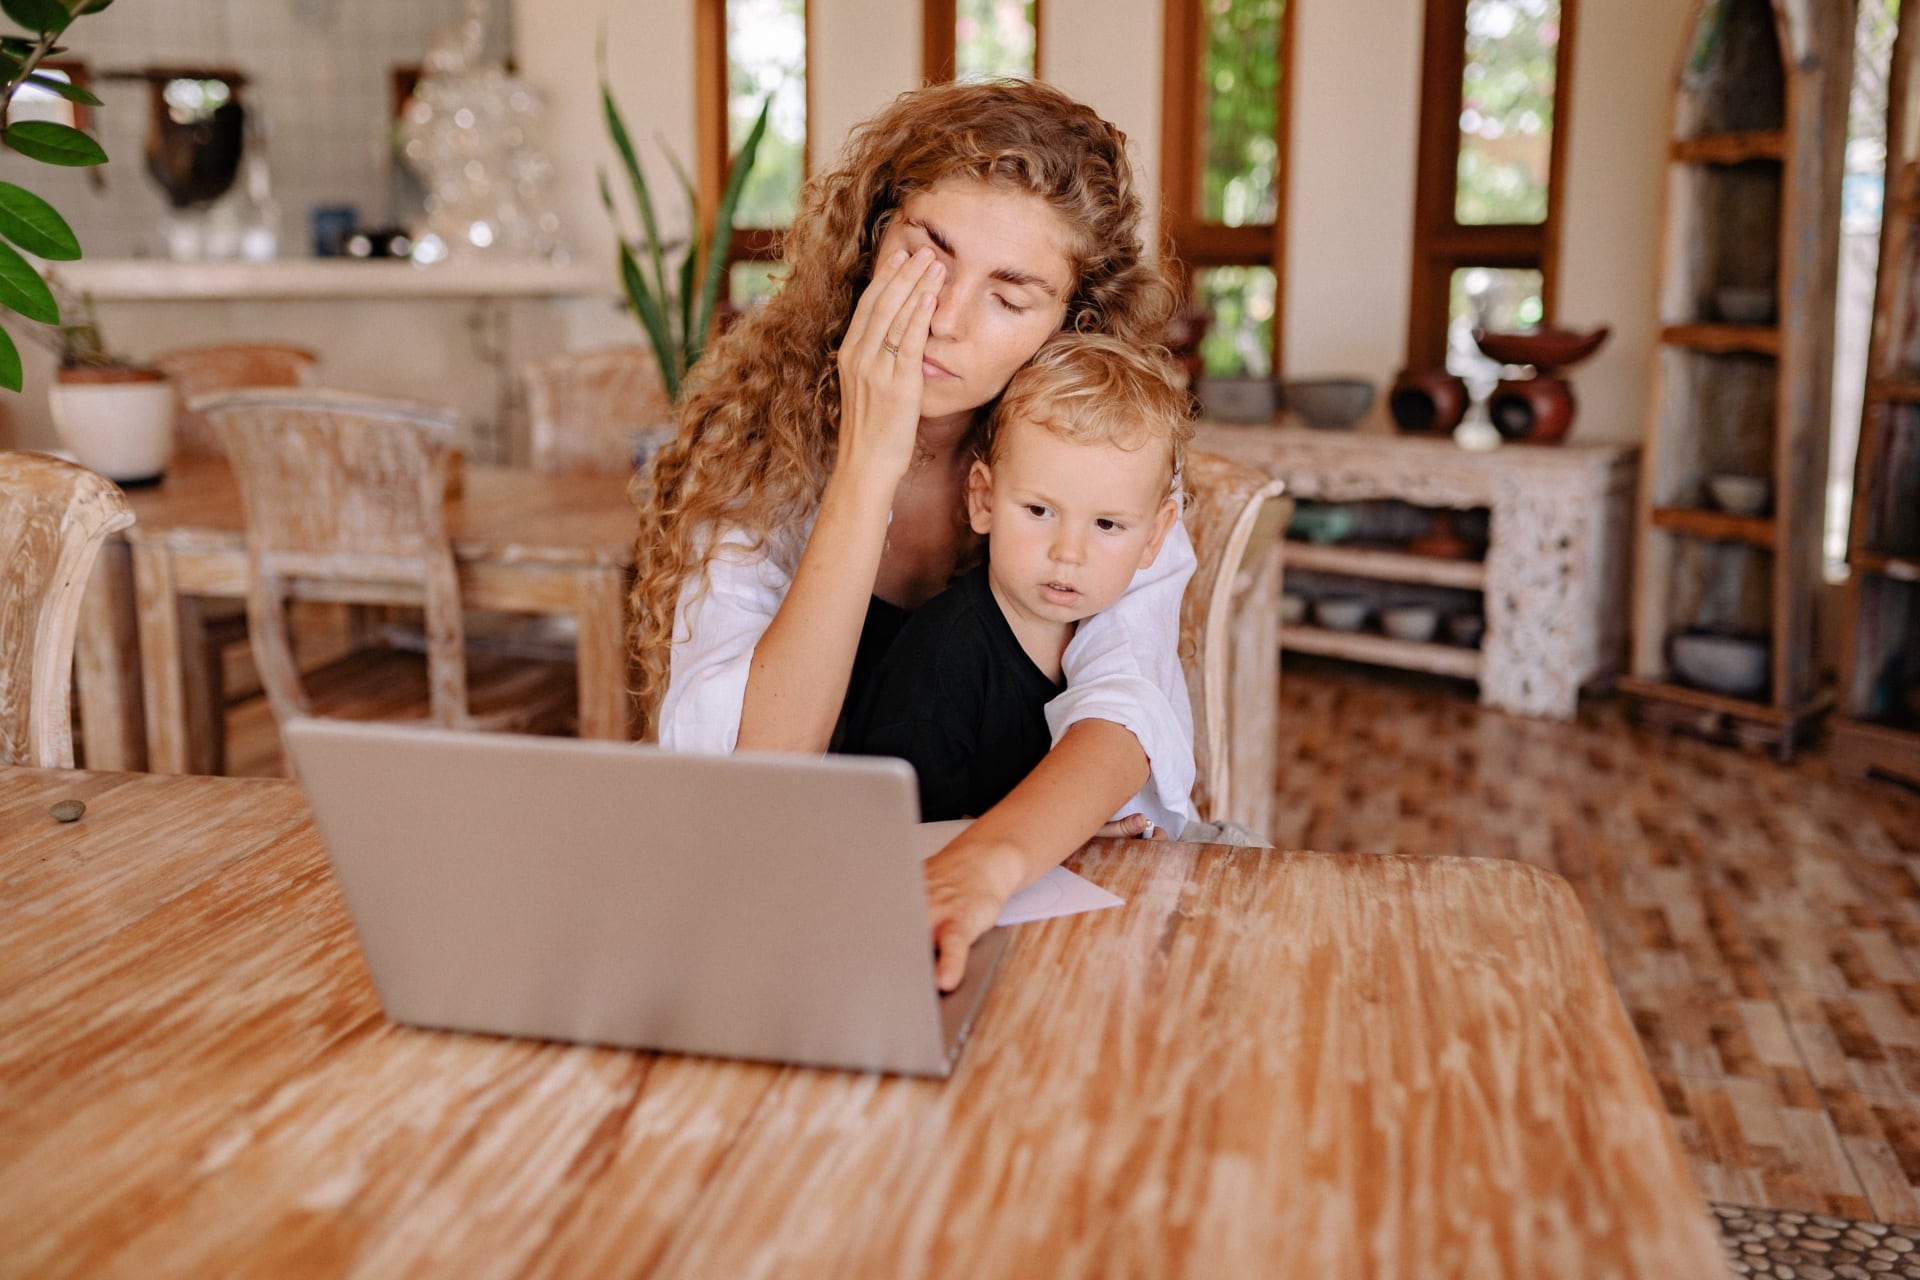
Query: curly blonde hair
x,y
759,417
1094,389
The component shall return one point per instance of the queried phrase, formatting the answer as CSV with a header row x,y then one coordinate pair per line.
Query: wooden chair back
x,y
1229,636
584,408
345,500
228,366
53,518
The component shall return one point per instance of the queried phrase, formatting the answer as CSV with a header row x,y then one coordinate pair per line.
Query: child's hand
x,y
968,884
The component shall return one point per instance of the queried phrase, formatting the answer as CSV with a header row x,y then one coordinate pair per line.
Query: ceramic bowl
x,y
1735,665
1330,403
1239,399
1293,608
1741,495
1415,622
1340,613
1466,628
1322,523
1739,304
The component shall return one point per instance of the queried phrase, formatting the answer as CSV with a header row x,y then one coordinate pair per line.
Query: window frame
x,y
1441,244
1196,243
750,244
939,47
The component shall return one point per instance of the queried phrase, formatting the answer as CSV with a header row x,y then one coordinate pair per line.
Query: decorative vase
x,y
1428,401
117,420
1536,410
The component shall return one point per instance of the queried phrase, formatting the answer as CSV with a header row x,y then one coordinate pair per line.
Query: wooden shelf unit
x,y
1367,646
1753,202
1388,566
1877,730
1553,583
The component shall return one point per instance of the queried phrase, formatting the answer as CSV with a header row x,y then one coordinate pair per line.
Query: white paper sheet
x,y
1058,893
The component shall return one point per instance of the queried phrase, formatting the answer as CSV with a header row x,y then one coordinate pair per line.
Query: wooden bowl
x,y
1541,348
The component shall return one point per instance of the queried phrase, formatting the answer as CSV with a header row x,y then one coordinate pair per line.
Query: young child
x,y
1076,489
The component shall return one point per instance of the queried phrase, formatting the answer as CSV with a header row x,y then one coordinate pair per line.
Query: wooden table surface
x,y
523,541
1265,1064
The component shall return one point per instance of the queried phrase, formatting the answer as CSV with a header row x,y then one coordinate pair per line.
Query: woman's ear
x,y
980,497
1163,520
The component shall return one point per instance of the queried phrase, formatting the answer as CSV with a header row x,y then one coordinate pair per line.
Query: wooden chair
x,y
228,366
53,518
345,500
585,407
1229,637
210,628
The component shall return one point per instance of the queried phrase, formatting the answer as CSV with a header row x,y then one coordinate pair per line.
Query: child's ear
x,y
980,497
1163,520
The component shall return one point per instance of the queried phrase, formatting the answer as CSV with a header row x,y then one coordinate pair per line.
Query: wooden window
x,y
1486,213
1226,85
745,50
979,39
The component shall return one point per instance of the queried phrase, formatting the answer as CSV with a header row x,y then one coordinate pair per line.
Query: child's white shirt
x,y
1122,665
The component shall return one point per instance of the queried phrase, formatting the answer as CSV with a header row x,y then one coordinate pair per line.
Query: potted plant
x,y
115,414
674,301
27,221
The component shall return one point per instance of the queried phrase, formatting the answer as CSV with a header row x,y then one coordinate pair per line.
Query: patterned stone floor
x,y
1801,1246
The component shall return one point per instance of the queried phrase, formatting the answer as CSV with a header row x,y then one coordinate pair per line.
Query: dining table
x,y
524,542
1264,1063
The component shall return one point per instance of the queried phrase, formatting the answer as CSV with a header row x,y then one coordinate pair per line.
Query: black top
x,y
956,697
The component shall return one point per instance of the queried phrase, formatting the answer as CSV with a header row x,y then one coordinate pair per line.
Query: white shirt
x,y
1122,665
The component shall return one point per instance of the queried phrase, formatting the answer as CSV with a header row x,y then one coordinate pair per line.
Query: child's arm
x,y
1063,802
1123,667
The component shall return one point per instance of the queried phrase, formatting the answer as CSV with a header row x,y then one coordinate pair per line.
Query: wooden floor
x,y
1762,921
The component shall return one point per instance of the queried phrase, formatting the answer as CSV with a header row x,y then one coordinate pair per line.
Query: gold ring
x,y
889,348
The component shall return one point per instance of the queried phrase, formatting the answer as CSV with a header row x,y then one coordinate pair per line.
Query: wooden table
x,y
524,543
1265,1064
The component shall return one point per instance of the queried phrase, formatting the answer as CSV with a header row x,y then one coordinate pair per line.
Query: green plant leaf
x,y
22,289
90,6
11,375
38,15
35,225
723,228
637,181
71,92
53,143
647,308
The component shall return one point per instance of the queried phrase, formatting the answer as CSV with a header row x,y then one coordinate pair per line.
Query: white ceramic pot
x,y
118,421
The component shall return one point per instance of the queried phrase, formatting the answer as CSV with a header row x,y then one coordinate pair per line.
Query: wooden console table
x,y
1554,580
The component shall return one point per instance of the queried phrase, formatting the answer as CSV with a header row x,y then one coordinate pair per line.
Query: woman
x,y
815,493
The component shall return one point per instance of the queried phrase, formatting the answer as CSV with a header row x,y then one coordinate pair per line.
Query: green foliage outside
x,y
993,38
1506,111
26,221
1240,81
766,62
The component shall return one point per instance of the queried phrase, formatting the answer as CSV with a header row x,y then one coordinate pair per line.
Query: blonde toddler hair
x,y
1094,389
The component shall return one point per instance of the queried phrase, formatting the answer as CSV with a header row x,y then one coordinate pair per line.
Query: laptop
x,y
747,906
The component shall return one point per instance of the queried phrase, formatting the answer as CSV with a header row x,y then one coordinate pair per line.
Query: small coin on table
x,y
68,810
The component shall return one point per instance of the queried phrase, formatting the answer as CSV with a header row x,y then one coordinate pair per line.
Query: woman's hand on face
x,y
880,377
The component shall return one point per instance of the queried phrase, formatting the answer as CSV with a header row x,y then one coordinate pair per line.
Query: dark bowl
x,y
1542,348
1333,403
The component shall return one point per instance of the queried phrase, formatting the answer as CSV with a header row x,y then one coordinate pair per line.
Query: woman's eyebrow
x,y
1011,275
